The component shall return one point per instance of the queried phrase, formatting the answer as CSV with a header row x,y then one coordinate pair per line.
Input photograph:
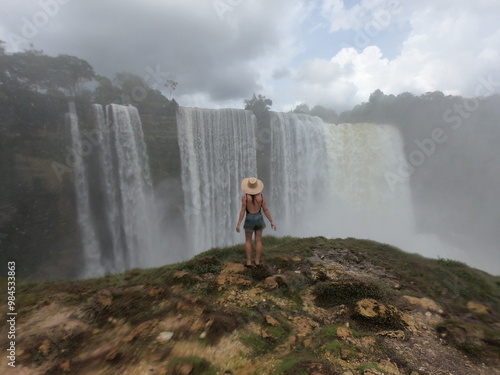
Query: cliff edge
x,y
316,306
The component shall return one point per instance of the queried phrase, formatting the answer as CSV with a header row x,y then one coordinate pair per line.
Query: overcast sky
x,y
328,52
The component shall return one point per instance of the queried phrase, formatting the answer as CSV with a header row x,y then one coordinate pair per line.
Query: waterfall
x,y
321,179
324,179
297,163
329,179
115,261
217,151
90,243
359,155
121,200
134,185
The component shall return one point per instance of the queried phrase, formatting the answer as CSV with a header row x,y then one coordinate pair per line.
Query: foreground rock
x,y
320,311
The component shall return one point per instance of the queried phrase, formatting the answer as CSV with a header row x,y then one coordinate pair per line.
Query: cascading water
x,y
115,258
129,234
297,166
90,243
134,185
359,155
329,180
217,151
324,179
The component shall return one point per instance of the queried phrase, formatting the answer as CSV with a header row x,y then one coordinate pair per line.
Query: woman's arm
x,y
242,212
267,212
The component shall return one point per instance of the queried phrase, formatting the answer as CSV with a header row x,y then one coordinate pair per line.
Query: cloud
x,y
219,53
445,50
222,51
359,16
281,72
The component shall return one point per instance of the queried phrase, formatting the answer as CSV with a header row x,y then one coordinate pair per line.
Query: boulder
x,y
272,321
231,274
425,303
164,336
370,308
478,308
379,314
344,332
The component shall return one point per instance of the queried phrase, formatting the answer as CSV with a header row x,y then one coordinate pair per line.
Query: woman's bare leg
x,y
248,247
258,246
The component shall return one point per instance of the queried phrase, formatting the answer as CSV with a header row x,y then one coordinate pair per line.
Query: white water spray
x,y
128,234
90,243
217,151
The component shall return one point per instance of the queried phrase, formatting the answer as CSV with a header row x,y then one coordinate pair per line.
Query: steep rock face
x,y
37,224
38,219
295,313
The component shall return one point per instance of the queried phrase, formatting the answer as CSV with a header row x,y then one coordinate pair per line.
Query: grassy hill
x,y
316,306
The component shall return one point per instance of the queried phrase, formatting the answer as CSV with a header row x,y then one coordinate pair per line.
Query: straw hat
x,y
252,185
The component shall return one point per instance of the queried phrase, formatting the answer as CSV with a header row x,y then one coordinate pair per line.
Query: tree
x,y
258,104
105,93
70,73
376,96
35,71
260,107
130,87
326,114
171,85
302,108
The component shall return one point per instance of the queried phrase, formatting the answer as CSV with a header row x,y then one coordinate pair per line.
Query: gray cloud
x,y
208,52
281,72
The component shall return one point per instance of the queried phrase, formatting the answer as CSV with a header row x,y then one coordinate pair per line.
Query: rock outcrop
x,y
321,309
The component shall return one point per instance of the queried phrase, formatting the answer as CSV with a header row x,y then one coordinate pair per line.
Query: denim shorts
x,y
254,222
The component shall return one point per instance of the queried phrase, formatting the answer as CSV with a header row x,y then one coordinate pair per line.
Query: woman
x,y
252,203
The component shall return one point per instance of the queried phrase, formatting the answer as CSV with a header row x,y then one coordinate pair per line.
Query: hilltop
x,y
316,306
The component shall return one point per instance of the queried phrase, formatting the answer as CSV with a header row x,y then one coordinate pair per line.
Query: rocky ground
x,y
316,306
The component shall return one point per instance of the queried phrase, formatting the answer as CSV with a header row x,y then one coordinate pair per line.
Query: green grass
x,y
277,335
257,343
287,364
304,365
329,294
450,282
465,337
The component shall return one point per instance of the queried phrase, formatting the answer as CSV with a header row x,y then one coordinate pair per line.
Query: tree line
x,y
35,87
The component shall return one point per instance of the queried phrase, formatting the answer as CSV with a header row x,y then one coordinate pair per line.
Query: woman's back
x,y
254,203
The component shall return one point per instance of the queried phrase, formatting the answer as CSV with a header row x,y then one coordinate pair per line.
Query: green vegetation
x,y
270,321
451,283
326,114
304,366
269,338
329,294
287,364
468,337
257,343
258,104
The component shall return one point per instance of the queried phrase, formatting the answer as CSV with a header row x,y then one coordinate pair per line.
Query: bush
x,y
329,294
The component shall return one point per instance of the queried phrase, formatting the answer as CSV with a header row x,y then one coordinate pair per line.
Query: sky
x,y
332,53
